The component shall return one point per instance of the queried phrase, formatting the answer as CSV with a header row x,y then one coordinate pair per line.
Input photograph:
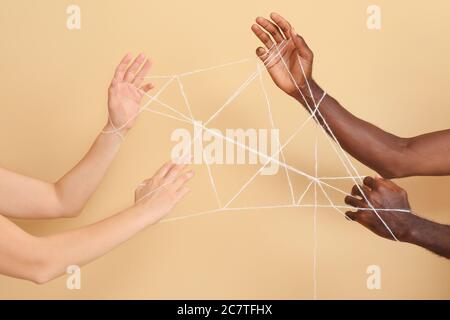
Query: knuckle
x,y
173,196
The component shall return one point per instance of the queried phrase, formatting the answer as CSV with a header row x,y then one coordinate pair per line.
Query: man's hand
x,y
382,194
125,92
283,43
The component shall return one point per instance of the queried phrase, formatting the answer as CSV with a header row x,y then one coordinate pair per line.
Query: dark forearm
x,y
429,235
377,149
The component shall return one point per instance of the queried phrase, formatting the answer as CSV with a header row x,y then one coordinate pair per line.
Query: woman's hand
x,y
158,195
27,257
284,46
126,91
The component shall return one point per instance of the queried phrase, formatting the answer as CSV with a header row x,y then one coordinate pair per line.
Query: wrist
x,y
148,214
309,94
410,228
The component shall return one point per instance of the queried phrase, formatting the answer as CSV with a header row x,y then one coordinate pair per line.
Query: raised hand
x,y
126,91
382,194
279,37
159,194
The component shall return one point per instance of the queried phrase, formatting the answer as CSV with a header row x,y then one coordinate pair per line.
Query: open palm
x,y
125,94
286,54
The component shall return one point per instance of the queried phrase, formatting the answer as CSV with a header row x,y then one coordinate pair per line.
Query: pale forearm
x,y
75,188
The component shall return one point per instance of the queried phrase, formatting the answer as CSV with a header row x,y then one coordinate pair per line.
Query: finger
x,y
138,192
355,202
133,69
387,183
261,53
271,28
361,217
162,172
183,191
356,191
301,46
147,87
144,183
122,67
365,219
370,182
182,179
142,73
351,215
282,23
263,36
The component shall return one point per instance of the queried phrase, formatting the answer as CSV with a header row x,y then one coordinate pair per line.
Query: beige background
x,y
53,104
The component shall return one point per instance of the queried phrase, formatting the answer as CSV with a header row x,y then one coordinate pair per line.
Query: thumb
x,y
261,53
301,46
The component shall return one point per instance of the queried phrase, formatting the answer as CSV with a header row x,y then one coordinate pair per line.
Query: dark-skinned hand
x,y
382,194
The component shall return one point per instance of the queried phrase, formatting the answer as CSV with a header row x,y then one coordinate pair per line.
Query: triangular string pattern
x,y
315,181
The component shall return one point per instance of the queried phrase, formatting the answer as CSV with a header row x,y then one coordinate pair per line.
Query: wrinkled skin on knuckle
x,y
397,199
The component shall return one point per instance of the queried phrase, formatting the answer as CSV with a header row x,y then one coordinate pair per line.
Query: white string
x,y
320,182
151,192
341,178
339,145
316,180
287,206
114,129
272,123
262,155
316,162
211,178
271,158
305,192
154,98
271,55
200,70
